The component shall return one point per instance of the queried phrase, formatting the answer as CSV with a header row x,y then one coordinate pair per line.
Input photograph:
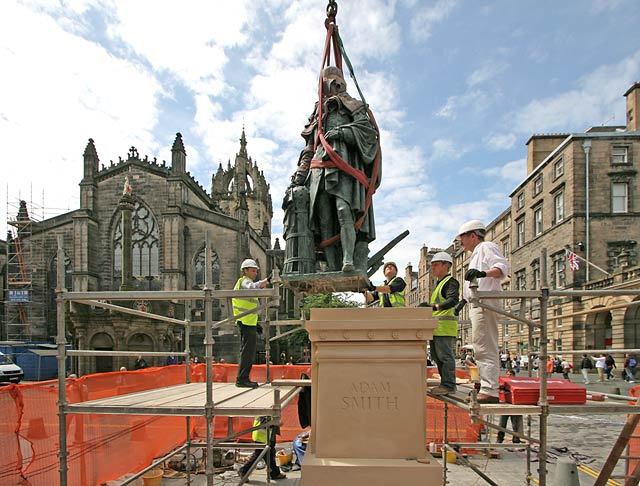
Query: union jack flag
x,y
573,259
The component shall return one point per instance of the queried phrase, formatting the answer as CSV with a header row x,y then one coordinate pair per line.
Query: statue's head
x,y
333,81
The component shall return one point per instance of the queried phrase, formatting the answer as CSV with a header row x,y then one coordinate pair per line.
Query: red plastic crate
x,y
526,391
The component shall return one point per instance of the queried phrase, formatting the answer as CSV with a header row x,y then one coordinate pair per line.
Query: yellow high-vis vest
x,y
243,305
396,299
259,435
445,327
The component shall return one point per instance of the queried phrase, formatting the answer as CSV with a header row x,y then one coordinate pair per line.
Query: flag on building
x,y
573,259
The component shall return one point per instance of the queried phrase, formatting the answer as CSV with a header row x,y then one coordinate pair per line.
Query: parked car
x,y
9,371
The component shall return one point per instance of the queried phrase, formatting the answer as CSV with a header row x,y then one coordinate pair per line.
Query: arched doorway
x,y
598,331
139,342
102,342
632,326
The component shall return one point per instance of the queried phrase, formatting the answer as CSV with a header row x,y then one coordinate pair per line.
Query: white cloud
x,y
424,20
592,102
500,141
486,72
65,90
510,173
475,101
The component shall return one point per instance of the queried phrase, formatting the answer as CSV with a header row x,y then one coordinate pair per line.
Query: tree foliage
x,y
300,339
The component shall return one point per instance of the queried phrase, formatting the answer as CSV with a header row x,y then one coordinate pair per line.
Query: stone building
x,y
581,193
170,215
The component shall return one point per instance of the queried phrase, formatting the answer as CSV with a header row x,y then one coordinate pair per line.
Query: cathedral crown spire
x,y
243,144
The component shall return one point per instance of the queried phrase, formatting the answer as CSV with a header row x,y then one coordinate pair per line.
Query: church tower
x,y
244,185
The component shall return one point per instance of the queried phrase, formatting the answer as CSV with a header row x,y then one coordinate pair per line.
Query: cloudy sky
x,y
457,88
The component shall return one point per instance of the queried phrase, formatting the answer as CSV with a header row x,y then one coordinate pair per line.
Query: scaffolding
x,y
543,409
25,299
189,399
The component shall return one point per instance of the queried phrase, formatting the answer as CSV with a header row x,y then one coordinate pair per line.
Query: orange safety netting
x,y
105,447
634,442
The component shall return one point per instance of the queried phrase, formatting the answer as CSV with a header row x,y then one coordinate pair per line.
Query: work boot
x,y
246,384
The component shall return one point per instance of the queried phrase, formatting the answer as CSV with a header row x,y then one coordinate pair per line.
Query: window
x,y
520,199
558,168
558,207
537,185
559,275
537,221
505,248
505,330
145,253
521,280
520,235
535,274
619,154
619,197
507,222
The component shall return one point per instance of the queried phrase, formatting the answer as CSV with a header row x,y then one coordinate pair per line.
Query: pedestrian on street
x,y
566,369
516,421
488,265
443,300
248,324
585,365
630,364
600,366
140,363
609,366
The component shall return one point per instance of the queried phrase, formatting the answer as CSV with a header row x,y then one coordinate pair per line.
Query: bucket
x,y
451,457
283,457
152,478
474,373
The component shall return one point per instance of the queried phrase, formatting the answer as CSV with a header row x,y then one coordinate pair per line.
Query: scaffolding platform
x,y
190,400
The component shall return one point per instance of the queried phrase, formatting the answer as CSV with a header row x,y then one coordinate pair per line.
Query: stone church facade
x,y
171,214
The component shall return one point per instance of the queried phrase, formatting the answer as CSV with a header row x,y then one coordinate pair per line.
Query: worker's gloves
x,y
459,306
474,273
371,287
424,304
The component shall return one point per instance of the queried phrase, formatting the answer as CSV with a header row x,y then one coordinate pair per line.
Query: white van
x,y
9,371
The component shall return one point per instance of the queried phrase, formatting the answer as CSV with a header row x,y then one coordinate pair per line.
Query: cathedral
x,y
171,215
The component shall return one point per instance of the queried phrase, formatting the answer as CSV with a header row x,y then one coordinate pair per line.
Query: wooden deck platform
x,y
190,399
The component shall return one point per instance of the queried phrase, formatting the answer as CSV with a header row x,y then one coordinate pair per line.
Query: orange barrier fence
x,y
634,442
104,447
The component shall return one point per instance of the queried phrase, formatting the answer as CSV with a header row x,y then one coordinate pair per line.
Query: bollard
x,y
565,474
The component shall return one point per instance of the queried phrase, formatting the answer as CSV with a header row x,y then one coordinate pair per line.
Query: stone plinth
x,y
368,412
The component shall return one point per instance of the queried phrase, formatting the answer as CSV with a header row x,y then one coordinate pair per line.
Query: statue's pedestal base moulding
x,y
368,412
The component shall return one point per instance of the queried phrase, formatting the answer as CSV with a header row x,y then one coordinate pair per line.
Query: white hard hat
x,y
249,263
442,256
474,224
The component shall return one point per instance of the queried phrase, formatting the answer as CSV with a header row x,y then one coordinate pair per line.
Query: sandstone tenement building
x,y
582,193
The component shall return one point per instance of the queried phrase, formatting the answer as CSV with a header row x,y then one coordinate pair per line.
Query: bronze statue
x,y
341,223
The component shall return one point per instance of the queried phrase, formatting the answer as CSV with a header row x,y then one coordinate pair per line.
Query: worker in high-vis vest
x,y
444,299
247,324
260,436
391,292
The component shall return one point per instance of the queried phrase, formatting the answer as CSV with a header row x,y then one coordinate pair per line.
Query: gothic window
x,y
199,264
197,314
145,253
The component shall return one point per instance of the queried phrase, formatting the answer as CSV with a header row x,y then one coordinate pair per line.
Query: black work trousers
x,y
248,339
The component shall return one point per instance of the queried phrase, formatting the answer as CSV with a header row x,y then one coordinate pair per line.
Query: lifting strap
x,y
333,40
